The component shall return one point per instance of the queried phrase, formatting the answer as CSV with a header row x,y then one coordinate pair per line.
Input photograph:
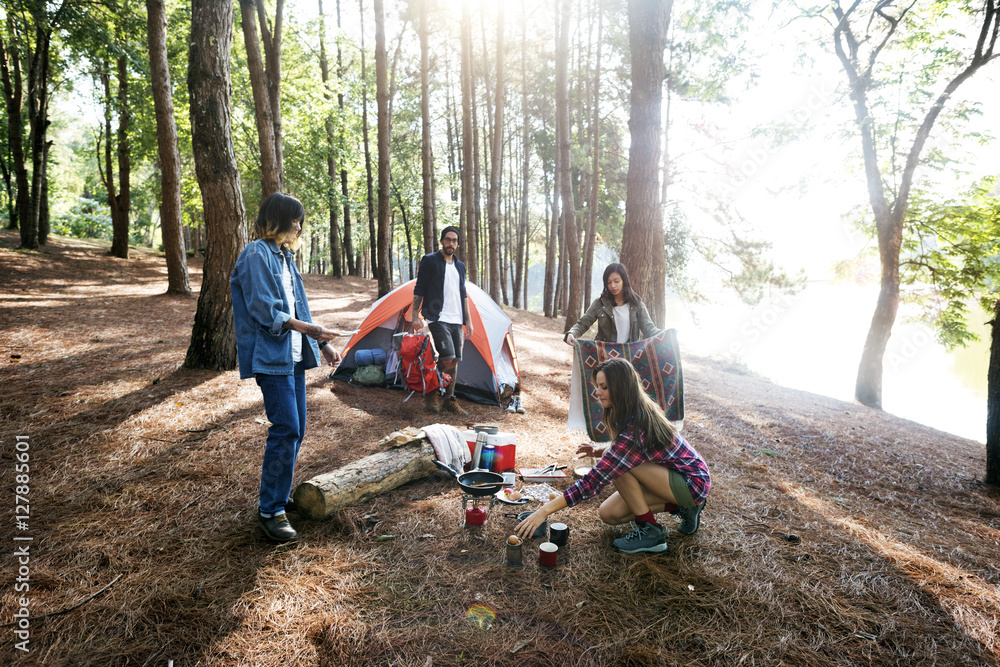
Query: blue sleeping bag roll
x,y
375,356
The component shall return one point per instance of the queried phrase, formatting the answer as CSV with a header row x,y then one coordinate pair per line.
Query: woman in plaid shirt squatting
x,y
652,467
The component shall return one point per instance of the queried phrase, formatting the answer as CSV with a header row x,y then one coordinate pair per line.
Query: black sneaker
x,y
277,529
644,538
690,518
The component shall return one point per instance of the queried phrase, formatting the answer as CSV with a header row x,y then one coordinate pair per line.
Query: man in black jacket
x,y
440,298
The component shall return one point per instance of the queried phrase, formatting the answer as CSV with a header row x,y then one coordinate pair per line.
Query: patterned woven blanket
x,y
658,362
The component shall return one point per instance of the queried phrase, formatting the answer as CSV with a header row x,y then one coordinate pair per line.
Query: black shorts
x,y
448,339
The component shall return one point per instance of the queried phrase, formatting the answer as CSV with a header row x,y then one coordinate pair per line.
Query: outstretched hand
x,y
589,449
570,339
527,528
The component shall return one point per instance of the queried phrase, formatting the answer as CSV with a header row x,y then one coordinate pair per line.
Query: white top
x,y
621,323
286,282
451,309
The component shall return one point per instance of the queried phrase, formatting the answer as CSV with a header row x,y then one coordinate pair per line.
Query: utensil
x,y
477,483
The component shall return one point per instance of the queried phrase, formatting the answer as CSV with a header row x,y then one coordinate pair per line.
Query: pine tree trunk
x,y
595,169
426,154
10,70
270,180
496,167
122,202
642,236
384,263
565,185
372,235
166,138
348,246
993,403
332,198
213,337
271,42
467,249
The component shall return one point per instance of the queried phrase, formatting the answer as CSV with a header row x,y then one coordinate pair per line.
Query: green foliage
x,y
88,218
951,259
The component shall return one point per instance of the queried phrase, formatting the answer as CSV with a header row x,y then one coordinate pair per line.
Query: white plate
x,y
502,497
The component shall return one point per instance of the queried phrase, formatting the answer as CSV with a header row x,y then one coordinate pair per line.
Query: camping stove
x,y
477,514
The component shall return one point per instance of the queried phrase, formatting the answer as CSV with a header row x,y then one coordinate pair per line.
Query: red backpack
x,y
417,366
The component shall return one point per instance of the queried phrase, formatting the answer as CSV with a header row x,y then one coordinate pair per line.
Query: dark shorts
x,y
682,494
448,339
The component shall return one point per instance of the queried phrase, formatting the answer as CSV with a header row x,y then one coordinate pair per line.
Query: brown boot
x,y
451,405
432,402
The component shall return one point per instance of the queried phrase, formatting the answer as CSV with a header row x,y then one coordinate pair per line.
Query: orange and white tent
x,y
489,362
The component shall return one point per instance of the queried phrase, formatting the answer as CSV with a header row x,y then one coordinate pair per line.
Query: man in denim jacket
x,y
276,341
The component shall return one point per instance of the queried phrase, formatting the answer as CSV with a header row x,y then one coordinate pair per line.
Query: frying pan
x,y
479,483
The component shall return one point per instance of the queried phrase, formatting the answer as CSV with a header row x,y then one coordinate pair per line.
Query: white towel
x,y
448,445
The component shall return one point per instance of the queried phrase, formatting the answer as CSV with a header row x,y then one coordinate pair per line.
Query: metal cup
x,y
558,534
515,557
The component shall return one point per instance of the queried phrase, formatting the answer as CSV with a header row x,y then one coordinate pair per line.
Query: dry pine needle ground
x,y
834,535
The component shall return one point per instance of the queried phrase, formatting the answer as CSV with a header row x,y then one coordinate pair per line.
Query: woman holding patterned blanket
x,y
652,467
619,312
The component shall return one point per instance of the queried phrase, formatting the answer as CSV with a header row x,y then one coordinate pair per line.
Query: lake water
x,y
813,340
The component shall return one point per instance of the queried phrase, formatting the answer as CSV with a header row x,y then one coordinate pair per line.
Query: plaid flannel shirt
x,y
630,449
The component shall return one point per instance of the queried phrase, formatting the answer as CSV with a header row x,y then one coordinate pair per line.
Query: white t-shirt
x,y
622,323
451,309
286,282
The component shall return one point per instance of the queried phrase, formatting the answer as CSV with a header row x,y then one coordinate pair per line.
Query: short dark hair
x,y
274,221
451,228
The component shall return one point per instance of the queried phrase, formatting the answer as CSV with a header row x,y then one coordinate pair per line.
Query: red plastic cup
x,y
547,554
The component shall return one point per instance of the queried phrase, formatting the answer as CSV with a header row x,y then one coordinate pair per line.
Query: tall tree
x,y
13,89
563,175
332,197
271,176
383,267
642,236
426,152
166,138
120,197
595,168
522,226
860,36
993,403
468,231
496,168
372,235
213,337
348,246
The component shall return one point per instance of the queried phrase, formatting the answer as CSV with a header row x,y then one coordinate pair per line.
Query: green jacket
x,y
602,311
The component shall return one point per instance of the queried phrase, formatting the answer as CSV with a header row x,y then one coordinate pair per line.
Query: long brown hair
x,y
627,293
629,400
274,221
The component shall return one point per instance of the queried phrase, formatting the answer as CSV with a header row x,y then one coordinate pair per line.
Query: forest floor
x,y
834,534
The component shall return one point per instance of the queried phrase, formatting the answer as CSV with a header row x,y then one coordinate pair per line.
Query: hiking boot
x,y
517,406
451,405
432,402
644,538
277,529
690,518
512,406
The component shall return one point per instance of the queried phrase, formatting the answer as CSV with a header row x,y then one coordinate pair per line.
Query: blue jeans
x,y
285,403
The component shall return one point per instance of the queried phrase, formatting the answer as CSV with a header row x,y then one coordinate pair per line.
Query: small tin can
x,y
515,556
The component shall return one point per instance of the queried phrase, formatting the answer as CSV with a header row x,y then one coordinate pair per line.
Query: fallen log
x,y
363,479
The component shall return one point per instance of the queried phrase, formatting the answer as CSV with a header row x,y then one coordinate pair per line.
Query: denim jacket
x,y
260,310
